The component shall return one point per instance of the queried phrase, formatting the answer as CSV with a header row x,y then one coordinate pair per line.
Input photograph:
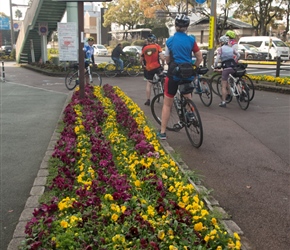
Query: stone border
x,y
39,184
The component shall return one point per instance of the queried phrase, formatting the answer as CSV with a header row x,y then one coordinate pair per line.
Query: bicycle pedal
x,y
178,126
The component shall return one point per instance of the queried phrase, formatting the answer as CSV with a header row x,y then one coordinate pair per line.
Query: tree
x,y
125,13
262,13
18,14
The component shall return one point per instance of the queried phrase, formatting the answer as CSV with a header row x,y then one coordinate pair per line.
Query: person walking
x,y
179,49
117,51
150,59
228,56
89,55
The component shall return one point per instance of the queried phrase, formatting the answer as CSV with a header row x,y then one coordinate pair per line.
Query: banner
x,y
67,41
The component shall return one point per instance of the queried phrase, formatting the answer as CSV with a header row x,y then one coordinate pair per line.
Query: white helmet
x,y
224,39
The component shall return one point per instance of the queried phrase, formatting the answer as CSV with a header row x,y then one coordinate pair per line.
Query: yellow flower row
x,y
182,190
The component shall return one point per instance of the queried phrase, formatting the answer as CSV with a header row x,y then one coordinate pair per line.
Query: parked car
x,y
134,49
100,50
250,52
6,49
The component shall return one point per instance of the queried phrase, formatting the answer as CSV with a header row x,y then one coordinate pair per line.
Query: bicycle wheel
x,y
193,124
71,79
111,70
250,86
213,82
219,90
243,98
133,69
174,123
96,79
206,92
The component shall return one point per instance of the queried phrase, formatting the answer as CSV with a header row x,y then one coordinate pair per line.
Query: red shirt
x,y
151,55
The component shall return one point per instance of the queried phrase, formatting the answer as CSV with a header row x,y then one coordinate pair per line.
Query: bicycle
x,y
238,88
184,114
203,87
158,82
132,68
217,78
72,77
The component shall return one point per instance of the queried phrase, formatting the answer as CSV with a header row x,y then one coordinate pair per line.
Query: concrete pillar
x,y
72,14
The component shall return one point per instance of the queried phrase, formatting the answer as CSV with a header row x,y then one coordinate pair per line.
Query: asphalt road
x,y
244,158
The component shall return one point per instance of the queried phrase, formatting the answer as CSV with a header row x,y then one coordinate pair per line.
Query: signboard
x,y
67,41
4,23
211,33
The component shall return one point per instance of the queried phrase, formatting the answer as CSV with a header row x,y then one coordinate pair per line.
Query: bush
x,y
138,42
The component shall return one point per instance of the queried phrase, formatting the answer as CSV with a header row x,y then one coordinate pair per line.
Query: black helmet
x,y
151,38
182,20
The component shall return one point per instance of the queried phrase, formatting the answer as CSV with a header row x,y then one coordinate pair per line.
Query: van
x,y
274,46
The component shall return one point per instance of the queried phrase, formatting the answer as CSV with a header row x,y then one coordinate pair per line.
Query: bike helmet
x,y
151,38
90,39
231,34
182,20
224,39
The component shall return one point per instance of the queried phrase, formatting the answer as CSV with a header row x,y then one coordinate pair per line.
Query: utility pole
x,y
11,25
212,29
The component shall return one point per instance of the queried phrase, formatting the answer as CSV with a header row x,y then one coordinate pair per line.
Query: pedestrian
x,y
89,55
117,51
178,51
151,55
226,54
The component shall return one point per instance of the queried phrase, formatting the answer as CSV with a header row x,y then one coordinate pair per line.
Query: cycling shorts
x,y
171,86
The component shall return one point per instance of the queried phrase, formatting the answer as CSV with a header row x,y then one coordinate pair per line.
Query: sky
x,y
5,7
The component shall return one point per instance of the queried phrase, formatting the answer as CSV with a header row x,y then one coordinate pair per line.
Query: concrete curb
x,y
39,184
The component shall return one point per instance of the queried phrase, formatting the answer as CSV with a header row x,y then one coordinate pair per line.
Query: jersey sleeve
x,y
195,48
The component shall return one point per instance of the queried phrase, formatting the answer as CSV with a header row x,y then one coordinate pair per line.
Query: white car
x,y
100,50
135,49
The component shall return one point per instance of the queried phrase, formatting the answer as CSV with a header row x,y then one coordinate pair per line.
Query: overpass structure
x,y
40,12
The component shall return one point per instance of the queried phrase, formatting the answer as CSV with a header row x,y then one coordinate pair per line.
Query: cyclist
x,y
89,55
226,54
232,40
151,54
179,48
117,51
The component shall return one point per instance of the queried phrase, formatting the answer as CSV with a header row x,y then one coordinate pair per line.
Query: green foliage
x,y
125,43
138,43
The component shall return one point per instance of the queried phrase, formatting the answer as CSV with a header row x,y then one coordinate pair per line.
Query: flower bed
x,y
113,186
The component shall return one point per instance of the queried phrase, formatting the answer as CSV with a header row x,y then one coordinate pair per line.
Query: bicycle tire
x,y
71,79
156,110
96,79
133,69
110,70
250,86
213,82
206,92
193,127
219,90
243,98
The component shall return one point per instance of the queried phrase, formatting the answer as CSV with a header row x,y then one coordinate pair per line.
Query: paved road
x,y
244,158
31,105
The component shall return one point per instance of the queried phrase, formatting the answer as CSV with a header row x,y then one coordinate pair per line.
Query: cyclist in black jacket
x,y
117,51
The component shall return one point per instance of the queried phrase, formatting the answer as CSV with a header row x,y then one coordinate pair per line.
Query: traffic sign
x,y
4,23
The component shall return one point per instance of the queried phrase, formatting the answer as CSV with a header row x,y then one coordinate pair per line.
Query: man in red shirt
x,y
151,54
